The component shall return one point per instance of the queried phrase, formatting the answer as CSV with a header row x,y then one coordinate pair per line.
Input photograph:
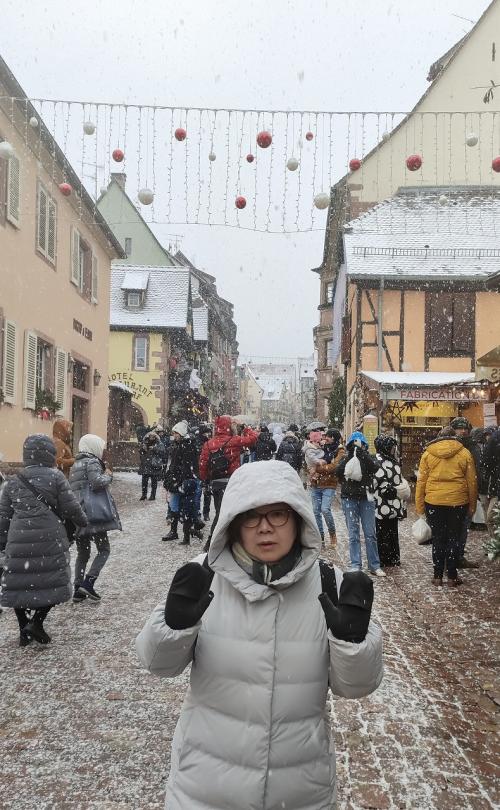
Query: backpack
x,y
263,449
218,463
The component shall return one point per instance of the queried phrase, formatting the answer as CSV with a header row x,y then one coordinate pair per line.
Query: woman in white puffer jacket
x,y
264,642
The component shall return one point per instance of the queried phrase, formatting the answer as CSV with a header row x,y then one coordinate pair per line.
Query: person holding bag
x,y
390,487
33,506
90,479
266,629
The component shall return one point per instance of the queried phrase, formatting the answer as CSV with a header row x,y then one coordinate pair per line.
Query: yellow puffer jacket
x,y
446,476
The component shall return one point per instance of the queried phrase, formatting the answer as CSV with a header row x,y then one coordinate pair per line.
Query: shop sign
x,y
489,414
370,430
491,373
434,395
138,391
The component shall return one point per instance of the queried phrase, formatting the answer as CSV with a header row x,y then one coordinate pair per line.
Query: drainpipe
x,y
380,326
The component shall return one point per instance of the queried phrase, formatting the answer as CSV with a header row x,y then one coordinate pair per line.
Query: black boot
x,y
186,533
172,535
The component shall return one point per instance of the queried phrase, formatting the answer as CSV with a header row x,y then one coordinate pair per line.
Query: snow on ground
x,y
83,726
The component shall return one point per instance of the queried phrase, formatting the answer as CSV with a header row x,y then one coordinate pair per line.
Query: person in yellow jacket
x,y
446,493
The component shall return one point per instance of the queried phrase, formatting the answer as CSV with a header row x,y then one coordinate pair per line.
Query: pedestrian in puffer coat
x,y
37,572
61,434
90,478
389,508
269,642
152,459
265,446
290,450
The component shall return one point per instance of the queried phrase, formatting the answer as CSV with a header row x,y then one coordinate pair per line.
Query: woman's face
x,y
267,541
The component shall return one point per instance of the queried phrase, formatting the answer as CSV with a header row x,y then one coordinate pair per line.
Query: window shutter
x,y
441,323
9,362
42,221
463,322
75,258
30,344
51,230
61,378
346,340
13,191
95,278
3,190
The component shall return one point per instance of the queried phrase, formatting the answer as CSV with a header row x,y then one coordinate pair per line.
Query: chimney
x,y
120,178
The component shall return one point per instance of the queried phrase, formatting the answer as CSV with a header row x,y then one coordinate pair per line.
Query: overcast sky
x,y
298,54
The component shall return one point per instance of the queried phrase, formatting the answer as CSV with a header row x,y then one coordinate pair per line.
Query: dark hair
x,y
446,433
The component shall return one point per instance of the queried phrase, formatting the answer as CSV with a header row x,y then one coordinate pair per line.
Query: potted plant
x,y
46,405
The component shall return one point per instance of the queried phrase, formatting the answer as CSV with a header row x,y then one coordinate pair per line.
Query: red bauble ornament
x,y
413,163
180,134
495,164
118,155
65,189
250,158
309,136
240,202
354,164
264,139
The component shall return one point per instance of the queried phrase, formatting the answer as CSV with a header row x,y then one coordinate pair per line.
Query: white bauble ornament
x,y
292,164
89,127
471,139
443,200
322,200
146,196
33,122
212,156
6,150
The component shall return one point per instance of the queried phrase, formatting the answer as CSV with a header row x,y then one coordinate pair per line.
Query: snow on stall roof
x,y
433,378
200,323
413,235
165,301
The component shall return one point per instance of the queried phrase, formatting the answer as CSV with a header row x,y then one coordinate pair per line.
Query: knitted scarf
x,y
265,573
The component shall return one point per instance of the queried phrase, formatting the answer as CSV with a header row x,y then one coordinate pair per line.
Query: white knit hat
x,y
90,443
181,428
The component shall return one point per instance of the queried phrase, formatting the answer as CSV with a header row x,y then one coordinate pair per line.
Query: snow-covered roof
x,y
272,386
121,387
432,378
200,323
135,280
413,235
165,301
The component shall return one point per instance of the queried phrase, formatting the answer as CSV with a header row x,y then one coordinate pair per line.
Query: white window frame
x,y
136,343
49,224
9,364
329,353
13,212
139,299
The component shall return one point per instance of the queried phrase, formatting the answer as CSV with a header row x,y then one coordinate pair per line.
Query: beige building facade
x,y
55,258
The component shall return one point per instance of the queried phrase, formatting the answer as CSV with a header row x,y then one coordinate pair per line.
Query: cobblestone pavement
x,y
82,726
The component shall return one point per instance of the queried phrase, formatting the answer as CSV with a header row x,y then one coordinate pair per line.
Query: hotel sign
x,y
444,394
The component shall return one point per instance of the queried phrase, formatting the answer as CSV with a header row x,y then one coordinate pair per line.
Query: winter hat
x,y
358,439
293,428
181,428
334,433
315,436
460,423
385,444
90,443
39,449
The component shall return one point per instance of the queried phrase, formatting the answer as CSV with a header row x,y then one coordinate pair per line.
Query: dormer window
x,y
134,300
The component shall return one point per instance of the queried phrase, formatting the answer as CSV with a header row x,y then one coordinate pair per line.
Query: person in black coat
x,y
152,460
180,481
37,572
265,446
290,450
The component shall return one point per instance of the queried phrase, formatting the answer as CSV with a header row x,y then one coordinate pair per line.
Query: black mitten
x,y
189,596
350,619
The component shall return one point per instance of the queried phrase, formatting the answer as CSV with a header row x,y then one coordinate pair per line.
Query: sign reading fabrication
x,y
435,395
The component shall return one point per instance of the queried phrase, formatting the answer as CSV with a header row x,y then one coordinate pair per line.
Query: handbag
x,y
99,506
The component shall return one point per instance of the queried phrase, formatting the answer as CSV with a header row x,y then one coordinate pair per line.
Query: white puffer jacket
x,y
253,732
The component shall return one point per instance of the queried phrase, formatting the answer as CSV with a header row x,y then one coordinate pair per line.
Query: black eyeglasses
x,y
275,518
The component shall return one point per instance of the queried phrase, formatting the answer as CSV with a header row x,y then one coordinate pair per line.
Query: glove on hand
x,y
189,596
350,619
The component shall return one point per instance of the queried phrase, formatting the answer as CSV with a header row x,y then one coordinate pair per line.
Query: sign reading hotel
x,y
445,394
138,391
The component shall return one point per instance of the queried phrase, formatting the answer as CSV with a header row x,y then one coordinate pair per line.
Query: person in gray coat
x,y
265,635
90,479
37,572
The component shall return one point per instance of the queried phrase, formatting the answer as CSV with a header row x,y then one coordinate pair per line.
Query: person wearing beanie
x,y
356,472
390,506
266,628
152,458
180,481
463,428
33,505
90,479
323,483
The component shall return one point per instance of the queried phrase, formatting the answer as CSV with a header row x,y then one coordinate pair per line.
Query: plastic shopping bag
x,y
353,471
403,490
479,516
421,531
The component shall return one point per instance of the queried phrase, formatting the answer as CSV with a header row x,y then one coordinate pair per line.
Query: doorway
x,y
80,418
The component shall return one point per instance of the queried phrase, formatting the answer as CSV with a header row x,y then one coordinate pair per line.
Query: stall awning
x,y
430,386
405,378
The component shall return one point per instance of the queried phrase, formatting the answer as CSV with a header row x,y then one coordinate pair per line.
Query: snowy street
x,y
82,726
